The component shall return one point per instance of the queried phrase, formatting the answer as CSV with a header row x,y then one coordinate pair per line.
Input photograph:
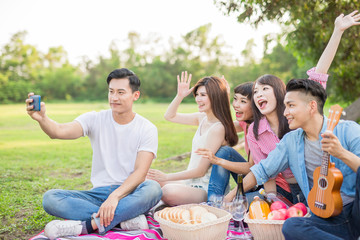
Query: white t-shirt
x,y
115,146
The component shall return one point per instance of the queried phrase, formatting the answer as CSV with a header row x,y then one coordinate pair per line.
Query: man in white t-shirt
x,y
124,145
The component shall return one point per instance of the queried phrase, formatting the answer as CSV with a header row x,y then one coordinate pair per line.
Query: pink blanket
x,y
154,232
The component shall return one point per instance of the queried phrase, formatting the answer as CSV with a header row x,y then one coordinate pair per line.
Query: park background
x,y
31,163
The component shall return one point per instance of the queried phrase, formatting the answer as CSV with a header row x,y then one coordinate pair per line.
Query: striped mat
x,y
154,232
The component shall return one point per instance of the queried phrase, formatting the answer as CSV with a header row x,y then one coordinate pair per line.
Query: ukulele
x,y
324,199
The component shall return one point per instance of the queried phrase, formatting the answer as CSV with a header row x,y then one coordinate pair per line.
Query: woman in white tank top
x,y
215,129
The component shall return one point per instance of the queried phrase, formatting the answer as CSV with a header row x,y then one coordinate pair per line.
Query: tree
x,y
279,62
308,27
198,54
24,69
59,79
20,66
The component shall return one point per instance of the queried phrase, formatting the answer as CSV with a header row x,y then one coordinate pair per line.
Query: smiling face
x,y
264,98
121,96
242,107
202,99
297,110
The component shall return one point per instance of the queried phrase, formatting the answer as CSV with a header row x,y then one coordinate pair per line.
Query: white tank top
x,y
199,141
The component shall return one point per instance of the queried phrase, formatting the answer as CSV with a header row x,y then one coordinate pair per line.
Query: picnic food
x,y
294,212
175,214
277,205
208,217
279,214
302,207
194,215
278,211
259,209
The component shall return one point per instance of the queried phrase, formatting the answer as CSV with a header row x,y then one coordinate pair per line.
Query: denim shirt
x,y
289,152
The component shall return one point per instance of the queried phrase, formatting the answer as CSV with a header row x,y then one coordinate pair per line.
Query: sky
x,y
87,27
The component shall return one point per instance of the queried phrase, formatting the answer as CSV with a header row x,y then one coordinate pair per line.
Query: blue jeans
x,y
219,179
80,205
344,226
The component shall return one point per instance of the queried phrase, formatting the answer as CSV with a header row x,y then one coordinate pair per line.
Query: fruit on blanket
x,y
279,214
259,209
294,212
302,207
277,205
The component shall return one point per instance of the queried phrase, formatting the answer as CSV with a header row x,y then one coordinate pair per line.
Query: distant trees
x,y
23,68
307,28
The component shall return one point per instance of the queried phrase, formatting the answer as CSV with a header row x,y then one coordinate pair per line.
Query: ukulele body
x,y
324,198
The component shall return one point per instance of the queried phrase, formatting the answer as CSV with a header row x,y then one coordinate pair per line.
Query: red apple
x,y
294,212
302,207
277,205
277,215
283,211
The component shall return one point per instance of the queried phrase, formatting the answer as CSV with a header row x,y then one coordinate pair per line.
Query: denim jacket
x,y
289,152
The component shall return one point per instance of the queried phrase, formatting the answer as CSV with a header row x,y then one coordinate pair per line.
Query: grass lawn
x,y
31,163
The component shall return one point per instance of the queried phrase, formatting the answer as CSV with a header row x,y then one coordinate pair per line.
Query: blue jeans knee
x,y
153,189
50,201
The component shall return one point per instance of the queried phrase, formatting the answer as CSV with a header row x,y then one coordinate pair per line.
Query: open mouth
x,y
239,114
262,104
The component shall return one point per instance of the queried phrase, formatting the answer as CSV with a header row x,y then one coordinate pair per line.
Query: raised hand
x,y
344,22
36,115
184,84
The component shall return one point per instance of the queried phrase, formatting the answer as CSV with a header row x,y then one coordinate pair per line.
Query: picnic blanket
x,y
154,233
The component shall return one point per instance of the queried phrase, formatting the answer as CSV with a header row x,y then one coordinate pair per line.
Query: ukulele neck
x,y
325,163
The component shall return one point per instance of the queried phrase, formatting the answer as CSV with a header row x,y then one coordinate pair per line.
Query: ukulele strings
x,y
320,193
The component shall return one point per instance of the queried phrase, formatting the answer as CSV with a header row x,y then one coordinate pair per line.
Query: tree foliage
x,y
309,26
24,69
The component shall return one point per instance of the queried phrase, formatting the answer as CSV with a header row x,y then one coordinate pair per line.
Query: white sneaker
x,y
136,223
58,228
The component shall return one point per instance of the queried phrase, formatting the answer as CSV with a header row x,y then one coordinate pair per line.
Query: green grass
x,y
31,163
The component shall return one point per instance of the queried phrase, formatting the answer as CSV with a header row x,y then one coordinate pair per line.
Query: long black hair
x,y
279,91
245,89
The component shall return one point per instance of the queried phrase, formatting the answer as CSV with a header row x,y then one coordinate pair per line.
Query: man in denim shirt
x,y
301,150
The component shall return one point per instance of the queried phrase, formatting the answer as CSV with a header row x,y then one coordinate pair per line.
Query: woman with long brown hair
x,y
216,129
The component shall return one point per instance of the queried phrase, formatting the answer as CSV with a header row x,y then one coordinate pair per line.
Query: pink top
x,y
262,147
318,77
268,139
243,125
